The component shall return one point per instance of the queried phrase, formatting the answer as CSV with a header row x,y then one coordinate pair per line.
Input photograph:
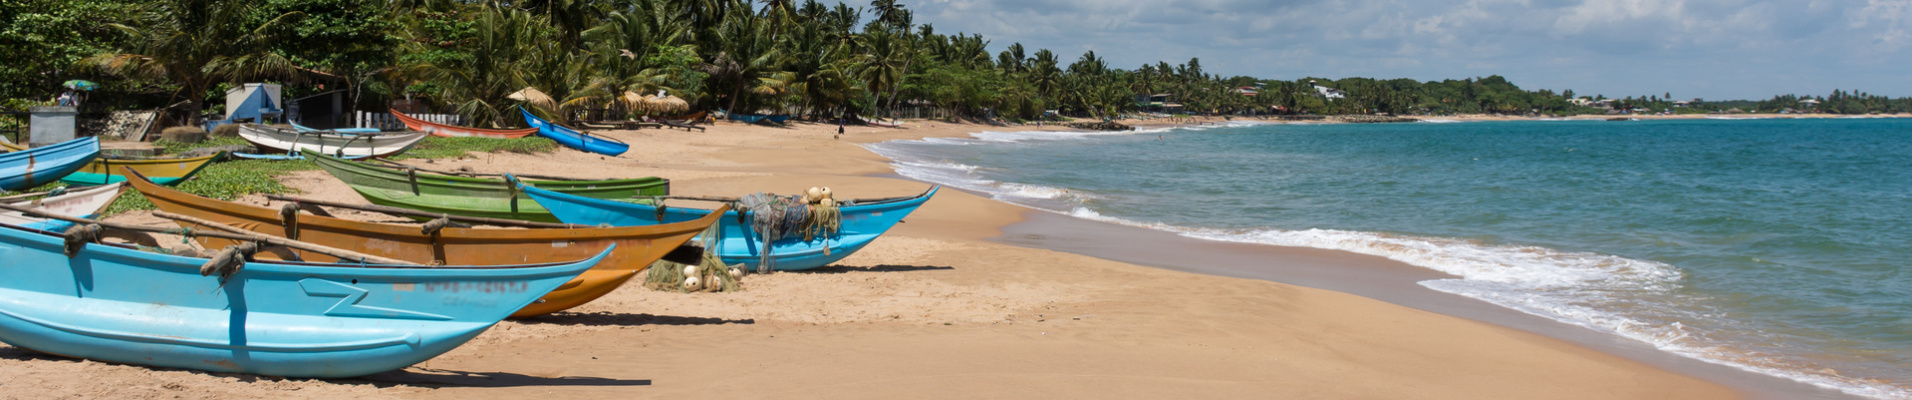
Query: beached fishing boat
x,y
863,221
307,129
274,140
33,167
745,118
164,171
443,130
80,203
574,139
637,247
114,303
780,118
473,197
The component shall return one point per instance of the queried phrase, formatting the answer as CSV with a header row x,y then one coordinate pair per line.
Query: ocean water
x,y
1776,246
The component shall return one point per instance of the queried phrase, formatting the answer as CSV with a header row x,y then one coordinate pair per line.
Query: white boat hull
x,y
330,143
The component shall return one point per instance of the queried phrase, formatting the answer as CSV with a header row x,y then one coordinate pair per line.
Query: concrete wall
x,y
49,125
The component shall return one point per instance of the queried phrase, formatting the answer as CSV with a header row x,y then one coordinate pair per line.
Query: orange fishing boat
x,y
443,130
637,247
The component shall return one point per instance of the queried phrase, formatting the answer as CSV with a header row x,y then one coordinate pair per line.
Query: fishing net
x,y
712,275
772,218
775,217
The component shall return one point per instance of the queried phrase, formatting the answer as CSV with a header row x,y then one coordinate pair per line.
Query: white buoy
x,y
690,270
826,202
826,193
736,273
691,283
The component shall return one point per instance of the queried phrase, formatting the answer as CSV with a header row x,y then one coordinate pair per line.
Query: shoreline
x,y
939,307
1364,275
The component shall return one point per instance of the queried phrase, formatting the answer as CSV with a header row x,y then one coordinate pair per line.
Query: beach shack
x,y
323,110
254,102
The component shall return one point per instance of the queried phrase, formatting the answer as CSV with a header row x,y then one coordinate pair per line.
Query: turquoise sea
x,y
1776,246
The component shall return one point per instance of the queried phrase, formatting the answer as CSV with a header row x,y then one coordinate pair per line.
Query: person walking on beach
x,y
839,135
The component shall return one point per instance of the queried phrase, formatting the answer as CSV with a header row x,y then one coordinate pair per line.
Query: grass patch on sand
x,y
224,181
443,147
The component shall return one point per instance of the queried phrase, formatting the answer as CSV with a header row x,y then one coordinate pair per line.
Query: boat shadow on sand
x,y
606,318
444,378
845,269
414,376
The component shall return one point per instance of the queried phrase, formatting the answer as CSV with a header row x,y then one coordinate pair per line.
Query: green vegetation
x,y
596,58
224,181
440,147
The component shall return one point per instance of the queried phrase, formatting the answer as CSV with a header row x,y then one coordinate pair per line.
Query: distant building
x,y
1247,91
1582,102
1328,92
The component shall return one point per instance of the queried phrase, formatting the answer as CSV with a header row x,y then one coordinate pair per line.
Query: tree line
x,y
778,56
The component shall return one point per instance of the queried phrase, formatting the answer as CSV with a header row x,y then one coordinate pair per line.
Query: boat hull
x,y
31,168
165,172
336,144
303,128
574,139
637,247
443,130
737,243
473,197
82,203
117,304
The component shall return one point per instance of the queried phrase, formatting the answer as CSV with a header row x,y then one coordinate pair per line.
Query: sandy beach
x,y
969,298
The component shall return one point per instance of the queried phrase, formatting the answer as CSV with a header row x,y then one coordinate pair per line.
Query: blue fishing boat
x,y
745,118
779,118
37,166
114,303
574,139
863,221
303,128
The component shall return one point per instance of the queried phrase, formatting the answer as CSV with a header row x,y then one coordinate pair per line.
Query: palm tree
x,y
747,61
196,43
494,66
883,63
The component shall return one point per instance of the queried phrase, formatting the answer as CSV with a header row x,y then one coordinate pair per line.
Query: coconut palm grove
x,y
811,59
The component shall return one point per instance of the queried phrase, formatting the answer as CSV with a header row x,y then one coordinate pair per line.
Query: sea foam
x,y
1578,288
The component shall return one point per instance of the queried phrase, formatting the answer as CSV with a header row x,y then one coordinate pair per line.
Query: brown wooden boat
x,y
637,247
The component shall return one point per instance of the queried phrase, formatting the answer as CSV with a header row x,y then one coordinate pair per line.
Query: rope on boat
x,y
79,235
229,260
289,219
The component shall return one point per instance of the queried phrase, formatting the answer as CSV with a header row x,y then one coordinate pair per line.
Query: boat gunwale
x,y
449,181
307,265
413,232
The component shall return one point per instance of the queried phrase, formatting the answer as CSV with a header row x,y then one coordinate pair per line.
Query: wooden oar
x,y
398,165
421,214
279,241
247,236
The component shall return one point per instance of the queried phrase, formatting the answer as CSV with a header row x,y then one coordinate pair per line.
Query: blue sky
x,y
1714,49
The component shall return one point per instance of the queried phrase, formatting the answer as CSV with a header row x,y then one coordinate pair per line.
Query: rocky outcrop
x,y
1099,126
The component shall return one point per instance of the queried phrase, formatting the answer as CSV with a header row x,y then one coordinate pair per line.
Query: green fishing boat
x,y
473,197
